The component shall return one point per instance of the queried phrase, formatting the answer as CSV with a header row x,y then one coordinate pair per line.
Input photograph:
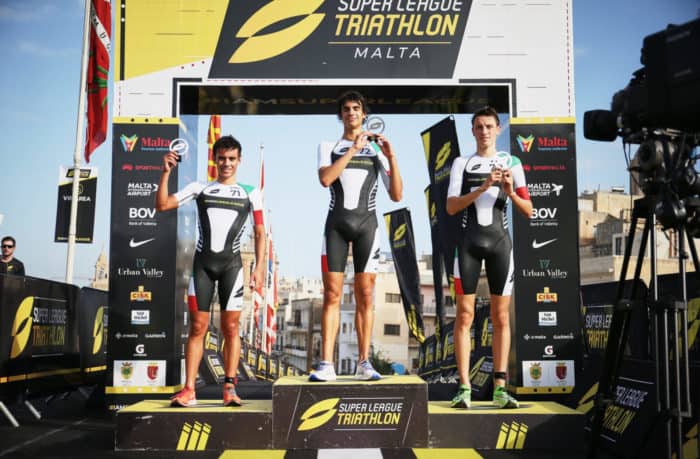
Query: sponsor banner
x,y
87,192
482,338
139,373
671,283
352,39
92,331
598,309
481,377
545,247
38,320
441,147
430,364
548,373
403,250
448,363
146,298
392,414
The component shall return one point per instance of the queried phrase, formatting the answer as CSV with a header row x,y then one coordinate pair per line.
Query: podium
x,y
393,413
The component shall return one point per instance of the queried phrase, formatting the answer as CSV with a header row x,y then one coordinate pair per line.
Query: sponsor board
x,y
547,318
140,317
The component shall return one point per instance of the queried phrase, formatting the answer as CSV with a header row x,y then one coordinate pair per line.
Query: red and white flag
x,y
98,74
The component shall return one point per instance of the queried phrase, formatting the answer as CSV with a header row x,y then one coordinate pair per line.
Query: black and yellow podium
x,y
392,413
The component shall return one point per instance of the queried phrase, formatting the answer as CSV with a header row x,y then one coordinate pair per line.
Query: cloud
x,y
27,13
39,50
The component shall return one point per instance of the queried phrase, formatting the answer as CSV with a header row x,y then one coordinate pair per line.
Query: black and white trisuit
x,y
484,228
351,214
222,211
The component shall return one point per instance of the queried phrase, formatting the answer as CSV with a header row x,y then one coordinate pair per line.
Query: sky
x,y
40,49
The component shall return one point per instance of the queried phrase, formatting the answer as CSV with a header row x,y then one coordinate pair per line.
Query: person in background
x,y
9,264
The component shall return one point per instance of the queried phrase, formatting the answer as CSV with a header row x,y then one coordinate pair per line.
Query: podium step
x,y
389,413
155,425
544,426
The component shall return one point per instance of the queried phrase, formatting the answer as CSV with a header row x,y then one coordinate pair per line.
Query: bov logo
x,y
260,46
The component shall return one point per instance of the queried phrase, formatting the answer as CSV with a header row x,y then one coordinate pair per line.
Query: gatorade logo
x,y
193,437
22,327
260,47
97,330
318,414
443,154
512,436
400,231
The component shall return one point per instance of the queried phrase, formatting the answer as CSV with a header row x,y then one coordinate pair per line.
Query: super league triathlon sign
x,y
340,38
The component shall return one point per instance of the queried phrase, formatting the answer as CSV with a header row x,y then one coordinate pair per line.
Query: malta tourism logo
x,y
264,46
525,143
194,437
22,327
129,143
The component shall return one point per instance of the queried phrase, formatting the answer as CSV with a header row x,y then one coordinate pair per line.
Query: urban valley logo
x,y
129,143
194,437
333,37
352,414
525,143
512,436
21,327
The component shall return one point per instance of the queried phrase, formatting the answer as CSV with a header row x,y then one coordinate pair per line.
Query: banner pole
x,y
80,128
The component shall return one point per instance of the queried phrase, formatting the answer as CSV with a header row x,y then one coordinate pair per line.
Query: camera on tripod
x,y
660,110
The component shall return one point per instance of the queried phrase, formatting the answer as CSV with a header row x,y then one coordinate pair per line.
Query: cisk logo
x,y
193,437
259,47
525,143
512,436
22,327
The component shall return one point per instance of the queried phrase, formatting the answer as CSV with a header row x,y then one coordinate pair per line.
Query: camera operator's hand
x,y
169,161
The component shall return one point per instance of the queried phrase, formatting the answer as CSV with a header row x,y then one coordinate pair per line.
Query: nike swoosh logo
x,y
537,245
134,244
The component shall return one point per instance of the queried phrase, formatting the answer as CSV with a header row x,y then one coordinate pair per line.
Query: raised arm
x,y
164,200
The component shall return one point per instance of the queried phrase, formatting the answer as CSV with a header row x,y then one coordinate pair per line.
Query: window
x,y
297,318
345,328
392,298
392,329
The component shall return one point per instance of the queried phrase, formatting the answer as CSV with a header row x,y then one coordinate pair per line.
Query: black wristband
x,y
500,375
231,380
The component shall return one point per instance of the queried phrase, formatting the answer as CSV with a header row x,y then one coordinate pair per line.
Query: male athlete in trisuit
x,y
480,186
222,208
350,168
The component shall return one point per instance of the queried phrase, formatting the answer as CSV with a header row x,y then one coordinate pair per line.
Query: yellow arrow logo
x,y
261,47
97,330
442,155
318,414
400,231
22,327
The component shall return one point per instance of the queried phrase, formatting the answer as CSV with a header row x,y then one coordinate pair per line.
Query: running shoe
x,y
231,398
463,398
366,372
502,399
325,372
186,397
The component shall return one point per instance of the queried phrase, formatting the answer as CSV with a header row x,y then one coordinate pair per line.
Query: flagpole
x,y
80,129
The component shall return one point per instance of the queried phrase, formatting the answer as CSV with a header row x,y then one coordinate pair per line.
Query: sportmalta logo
x,y
272,39
22,327
194,437
129,143
525,143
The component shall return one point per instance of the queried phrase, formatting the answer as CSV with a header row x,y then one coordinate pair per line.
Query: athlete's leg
x,y
231,299
333,259
364,312
466,273
500,318
199,298
232,341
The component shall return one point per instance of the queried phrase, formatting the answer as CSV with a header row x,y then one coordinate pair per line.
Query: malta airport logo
x,y
22,327
525,143
98,330
512,436
194,437
129,143
259,47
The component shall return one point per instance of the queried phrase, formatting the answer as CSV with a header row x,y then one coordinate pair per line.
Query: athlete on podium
x,y
222,208
480,186
350,167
